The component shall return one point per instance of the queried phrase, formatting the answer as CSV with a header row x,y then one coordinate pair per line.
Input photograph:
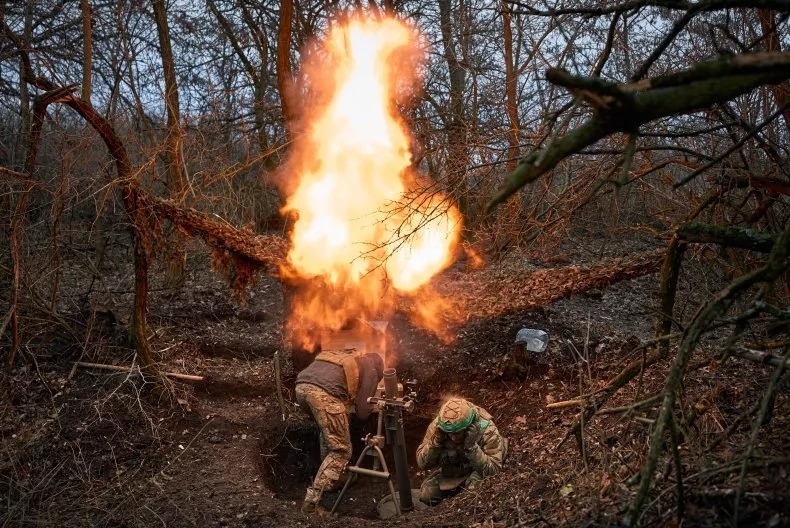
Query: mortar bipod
x,y
379,469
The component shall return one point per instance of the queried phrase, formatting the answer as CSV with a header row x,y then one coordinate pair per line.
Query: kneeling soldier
x,y
462,445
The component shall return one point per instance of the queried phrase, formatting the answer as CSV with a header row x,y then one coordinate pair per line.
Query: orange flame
x,y
362,234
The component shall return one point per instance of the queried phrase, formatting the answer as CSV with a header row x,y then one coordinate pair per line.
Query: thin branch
x,y
662,46
735,147
624,108
132,369
710,5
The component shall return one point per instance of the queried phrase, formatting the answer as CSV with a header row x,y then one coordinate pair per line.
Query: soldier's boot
x,y
311,502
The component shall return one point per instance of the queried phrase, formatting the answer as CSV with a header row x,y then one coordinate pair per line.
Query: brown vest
x,y
348,361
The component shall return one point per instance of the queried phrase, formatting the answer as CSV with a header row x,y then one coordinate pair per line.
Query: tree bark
x,y
735,237
175,255
670,272
284,72
511,82
87,44
455,165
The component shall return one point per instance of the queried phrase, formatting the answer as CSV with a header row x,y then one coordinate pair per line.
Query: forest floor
x,y
91,447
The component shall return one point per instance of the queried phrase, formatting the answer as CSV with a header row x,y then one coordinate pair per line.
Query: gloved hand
x,y
438,437
473,437
473,481
476,456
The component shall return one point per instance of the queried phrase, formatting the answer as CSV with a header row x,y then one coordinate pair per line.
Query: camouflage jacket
x,y
438,450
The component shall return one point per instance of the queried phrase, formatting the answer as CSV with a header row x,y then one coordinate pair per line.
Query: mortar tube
x,y
390,383
401,465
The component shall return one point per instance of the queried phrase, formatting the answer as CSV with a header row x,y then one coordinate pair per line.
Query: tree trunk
x,y
175,255
258,77
670,272
284,73
511,82
455,122
87,44
255,73
24,93
511,218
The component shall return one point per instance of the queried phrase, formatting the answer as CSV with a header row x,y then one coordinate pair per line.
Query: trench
x,y
291,463
290,456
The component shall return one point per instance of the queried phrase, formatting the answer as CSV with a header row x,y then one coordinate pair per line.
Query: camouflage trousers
x,y
330,415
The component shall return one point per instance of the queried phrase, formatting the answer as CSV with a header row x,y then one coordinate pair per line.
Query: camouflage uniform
x,y
480,452
330,415
323,388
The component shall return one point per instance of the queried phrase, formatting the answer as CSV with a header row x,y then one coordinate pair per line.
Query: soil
x,y
92,447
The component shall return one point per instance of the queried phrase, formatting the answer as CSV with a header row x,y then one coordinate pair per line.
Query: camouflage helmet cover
x,y
456,415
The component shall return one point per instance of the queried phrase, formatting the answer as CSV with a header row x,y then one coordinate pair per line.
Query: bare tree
x,y
173,154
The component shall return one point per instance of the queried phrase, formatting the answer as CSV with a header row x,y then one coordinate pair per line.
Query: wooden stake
x,y
566,403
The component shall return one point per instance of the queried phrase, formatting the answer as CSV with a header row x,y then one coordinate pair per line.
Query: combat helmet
x,y
456,415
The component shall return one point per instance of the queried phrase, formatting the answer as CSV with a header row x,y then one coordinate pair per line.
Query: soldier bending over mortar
x,y
325,386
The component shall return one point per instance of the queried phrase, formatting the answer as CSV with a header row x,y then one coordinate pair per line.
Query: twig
x,y
734,148
169,464
674,434
633,406
707,473
587,353
118,368
5,171
624,108
580,438
614,385
6,319
733,426
278,380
